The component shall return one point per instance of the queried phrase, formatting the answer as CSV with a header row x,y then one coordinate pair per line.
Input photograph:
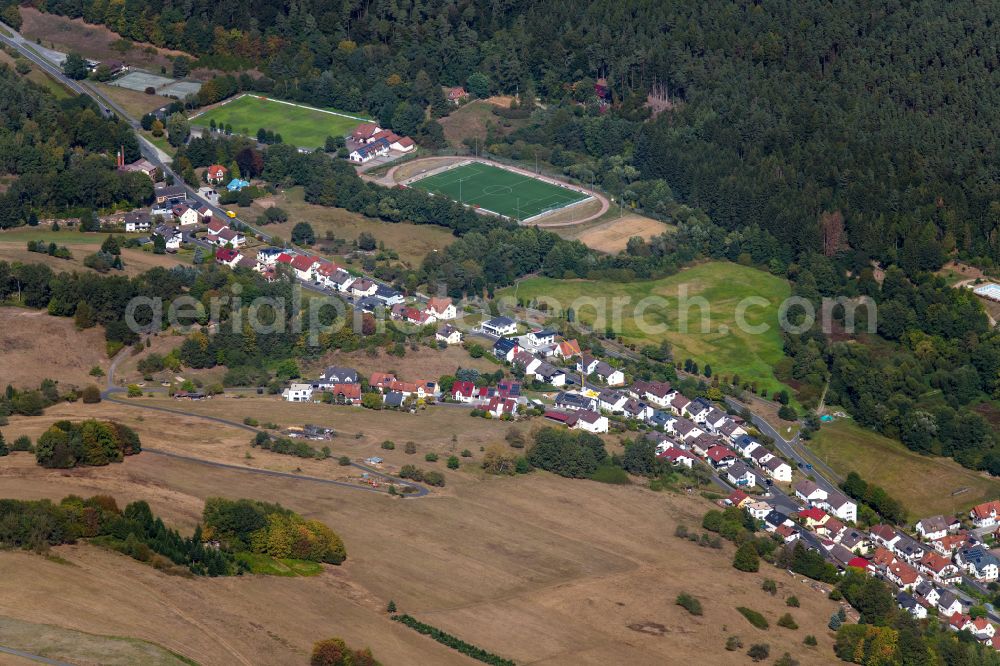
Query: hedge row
x,y
453,642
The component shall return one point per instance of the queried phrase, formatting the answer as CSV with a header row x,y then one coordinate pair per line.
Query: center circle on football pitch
x,y
497,189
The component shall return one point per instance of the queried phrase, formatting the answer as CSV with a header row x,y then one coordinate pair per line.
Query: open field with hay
x,y
944,487
35,346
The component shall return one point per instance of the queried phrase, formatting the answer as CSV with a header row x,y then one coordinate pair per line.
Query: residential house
x,y
298,392
456,95
948,603
884,536
303,265
608,375
402,144
739,499
390,296
757,510
228,257
986,514
731,430
591,421
138,221
715,418
172,237
678,403
676,456
587,364
949,543
702,443
169,193
808,491
336,374
841,506
216,174
760,456
721,456
549,374
940,568
745,444
498,406
685,429
463,391
568,349
778,469
909,548
637,410
903,575
342,281
740,475
813,517
541,337
911,606
927,594
363,287
775,519
575,402
500,326
855,540
787,533
978,562
214,227
526,360
449,335
186,215
346,394
864,565
937,527
393,399
230,238
442,308
611,401
505,348
657,393
698,409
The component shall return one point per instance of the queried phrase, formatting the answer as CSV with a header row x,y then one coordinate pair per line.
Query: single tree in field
x,y
746,558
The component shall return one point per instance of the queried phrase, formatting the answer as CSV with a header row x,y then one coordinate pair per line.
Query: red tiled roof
x,y
349,391
858,563
717,453
814,514
465,388
986,509
438,304
302,262
284,258
226,254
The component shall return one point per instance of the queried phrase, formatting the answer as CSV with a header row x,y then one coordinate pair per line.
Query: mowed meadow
x,y
713,290
943,485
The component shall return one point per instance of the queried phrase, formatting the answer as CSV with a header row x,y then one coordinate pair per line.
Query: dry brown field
x,y
411,241
35,346
91,41
136,261
611,235
536,568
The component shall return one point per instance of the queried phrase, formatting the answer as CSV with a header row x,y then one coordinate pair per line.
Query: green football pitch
x,y
298,125
500,191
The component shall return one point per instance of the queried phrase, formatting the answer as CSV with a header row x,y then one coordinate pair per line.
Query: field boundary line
x,y
280,101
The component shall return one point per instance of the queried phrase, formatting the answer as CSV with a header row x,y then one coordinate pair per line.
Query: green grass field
x,y
298,125
266,565
723,285
497,190
925,485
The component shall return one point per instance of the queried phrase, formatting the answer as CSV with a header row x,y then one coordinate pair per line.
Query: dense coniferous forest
x,y
62,153
779,112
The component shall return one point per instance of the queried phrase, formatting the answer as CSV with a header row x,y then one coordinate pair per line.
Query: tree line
x,y
62,153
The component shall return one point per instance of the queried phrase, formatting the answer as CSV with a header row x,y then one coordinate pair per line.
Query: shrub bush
x,y
753,617
770,586
692,605
431,457
759,651
787,621
734,643
792,601
389,445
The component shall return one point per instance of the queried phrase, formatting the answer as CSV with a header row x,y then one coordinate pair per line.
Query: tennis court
x,y
508,193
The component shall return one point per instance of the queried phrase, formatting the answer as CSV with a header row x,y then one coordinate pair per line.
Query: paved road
x,y
33,657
